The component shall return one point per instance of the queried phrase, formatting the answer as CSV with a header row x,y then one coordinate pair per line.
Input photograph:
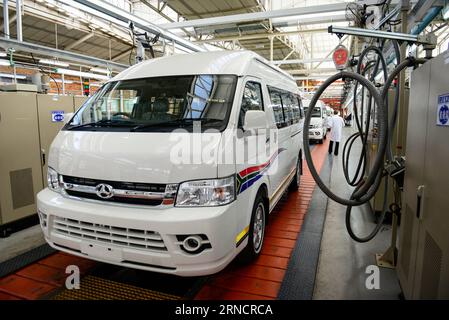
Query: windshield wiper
x,y
175,122
103,123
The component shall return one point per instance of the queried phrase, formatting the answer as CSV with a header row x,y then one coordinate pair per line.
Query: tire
x,y
320,141
258,221
294,185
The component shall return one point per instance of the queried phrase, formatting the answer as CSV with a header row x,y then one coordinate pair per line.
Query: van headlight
x,y
213,192
315,126
53,180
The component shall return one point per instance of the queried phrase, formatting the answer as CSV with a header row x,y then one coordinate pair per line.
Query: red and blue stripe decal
x,y
248,176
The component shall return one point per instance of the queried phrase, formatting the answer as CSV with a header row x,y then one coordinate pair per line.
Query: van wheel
x,y
294,185
320,141
256,230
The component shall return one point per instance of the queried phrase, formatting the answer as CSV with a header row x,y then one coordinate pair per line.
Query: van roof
x,y
213,62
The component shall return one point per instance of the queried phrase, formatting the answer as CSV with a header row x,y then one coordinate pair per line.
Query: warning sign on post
x,y
443,110
57,116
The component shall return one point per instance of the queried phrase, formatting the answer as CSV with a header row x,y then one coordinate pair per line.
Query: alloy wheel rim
x,y
258,227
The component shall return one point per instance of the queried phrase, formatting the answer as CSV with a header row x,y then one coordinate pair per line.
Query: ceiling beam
x,y
121,54
264,15
79,41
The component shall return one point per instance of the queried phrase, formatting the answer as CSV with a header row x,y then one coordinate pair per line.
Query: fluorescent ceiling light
x,y
95,84
99,70
8,75
4,62
308,16
54,62
82,74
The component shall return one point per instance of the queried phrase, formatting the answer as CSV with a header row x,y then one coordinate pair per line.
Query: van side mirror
x,y
255,119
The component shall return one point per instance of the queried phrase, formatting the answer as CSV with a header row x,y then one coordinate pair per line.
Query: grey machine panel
x,y
423,264
48,128
20,163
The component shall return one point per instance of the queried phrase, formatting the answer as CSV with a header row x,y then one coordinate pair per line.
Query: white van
x,y
130,184
318,125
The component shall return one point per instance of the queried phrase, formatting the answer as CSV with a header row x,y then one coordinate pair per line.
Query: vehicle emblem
x,y
104,191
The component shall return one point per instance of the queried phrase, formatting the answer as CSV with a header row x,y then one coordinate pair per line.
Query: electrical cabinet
x,y
20,162
49,127
28,124
423,262
78,101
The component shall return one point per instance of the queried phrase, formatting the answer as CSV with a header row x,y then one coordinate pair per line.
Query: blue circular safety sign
x,y
443,114
58,117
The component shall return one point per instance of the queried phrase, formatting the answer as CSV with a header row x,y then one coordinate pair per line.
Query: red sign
x,y
340,57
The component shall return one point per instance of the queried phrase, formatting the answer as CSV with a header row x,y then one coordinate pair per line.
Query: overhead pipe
x,y
428,18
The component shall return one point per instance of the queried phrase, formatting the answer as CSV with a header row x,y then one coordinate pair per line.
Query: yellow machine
x,y
28,124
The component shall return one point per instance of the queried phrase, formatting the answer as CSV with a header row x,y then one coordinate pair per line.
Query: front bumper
x,y
117,234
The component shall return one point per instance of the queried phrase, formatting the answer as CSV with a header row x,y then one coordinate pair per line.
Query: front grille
x,y
152,187
124,237
150,194
85,195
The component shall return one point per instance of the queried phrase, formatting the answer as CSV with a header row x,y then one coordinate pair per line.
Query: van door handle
x,y
419,197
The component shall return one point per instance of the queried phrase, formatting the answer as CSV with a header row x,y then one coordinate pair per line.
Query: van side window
x,y
252,100
301,107
276,105
296,109
287,106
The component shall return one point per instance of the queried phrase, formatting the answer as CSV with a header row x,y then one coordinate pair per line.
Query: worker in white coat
x,y
336,124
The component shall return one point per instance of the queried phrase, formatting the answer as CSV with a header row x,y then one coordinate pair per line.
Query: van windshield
x,y
316,112
158,104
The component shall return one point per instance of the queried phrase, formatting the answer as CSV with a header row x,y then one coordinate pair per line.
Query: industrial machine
x,y
423,264
28,123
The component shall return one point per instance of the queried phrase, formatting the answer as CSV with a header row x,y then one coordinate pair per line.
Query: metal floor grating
x,y
95,288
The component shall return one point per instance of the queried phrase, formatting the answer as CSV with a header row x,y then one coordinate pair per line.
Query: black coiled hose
x,y
365,188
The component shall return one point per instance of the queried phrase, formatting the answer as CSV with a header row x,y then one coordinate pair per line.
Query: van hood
x,y
133,157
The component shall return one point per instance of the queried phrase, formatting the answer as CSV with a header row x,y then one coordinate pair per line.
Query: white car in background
x,y
318,123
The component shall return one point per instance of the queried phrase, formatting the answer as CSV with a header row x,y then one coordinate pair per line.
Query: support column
x,y
5,19
19,20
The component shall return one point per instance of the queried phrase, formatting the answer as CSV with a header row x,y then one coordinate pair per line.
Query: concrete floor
x,y
342,264
20,242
